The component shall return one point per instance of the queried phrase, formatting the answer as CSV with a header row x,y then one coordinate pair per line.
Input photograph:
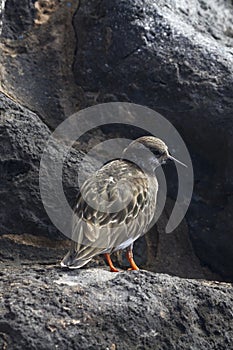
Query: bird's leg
x,y
110,263
129,255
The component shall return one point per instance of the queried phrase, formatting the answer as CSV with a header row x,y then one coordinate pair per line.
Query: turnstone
x,y
116,204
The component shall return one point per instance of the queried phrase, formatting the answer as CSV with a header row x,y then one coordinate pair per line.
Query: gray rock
x,y
23,138
37,53
176,58
43,308
25,14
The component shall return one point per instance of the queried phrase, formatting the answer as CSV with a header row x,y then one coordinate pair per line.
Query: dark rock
x,y
43,307
37,50
25,14
177,59
23,138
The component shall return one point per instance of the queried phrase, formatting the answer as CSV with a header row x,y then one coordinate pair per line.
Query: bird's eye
x,y
157,153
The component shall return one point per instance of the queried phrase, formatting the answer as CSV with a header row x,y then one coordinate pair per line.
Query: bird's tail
x,y
72,261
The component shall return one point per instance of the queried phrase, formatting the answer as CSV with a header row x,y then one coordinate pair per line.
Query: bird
x,y
117,203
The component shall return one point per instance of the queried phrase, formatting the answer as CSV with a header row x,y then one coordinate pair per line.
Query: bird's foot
x,y
133,265
136,268
113,269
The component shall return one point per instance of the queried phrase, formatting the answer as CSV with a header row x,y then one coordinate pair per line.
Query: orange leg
x,y
110,263
129,255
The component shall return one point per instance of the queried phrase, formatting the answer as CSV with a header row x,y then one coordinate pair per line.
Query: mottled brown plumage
x,y
116,204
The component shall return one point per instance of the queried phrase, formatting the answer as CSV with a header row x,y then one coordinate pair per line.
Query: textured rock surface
x,y
44,307
176,58
37,50
23,138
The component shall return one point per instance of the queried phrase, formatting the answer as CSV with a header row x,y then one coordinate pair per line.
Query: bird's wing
x,y
107,208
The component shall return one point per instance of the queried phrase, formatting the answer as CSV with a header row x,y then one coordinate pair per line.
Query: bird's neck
x,y
148,163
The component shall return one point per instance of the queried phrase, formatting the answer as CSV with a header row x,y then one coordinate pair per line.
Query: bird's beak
x,y
176,160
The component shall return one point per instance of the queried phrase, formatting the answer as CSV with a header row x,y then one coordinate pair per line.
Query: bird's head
x,y
149,151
